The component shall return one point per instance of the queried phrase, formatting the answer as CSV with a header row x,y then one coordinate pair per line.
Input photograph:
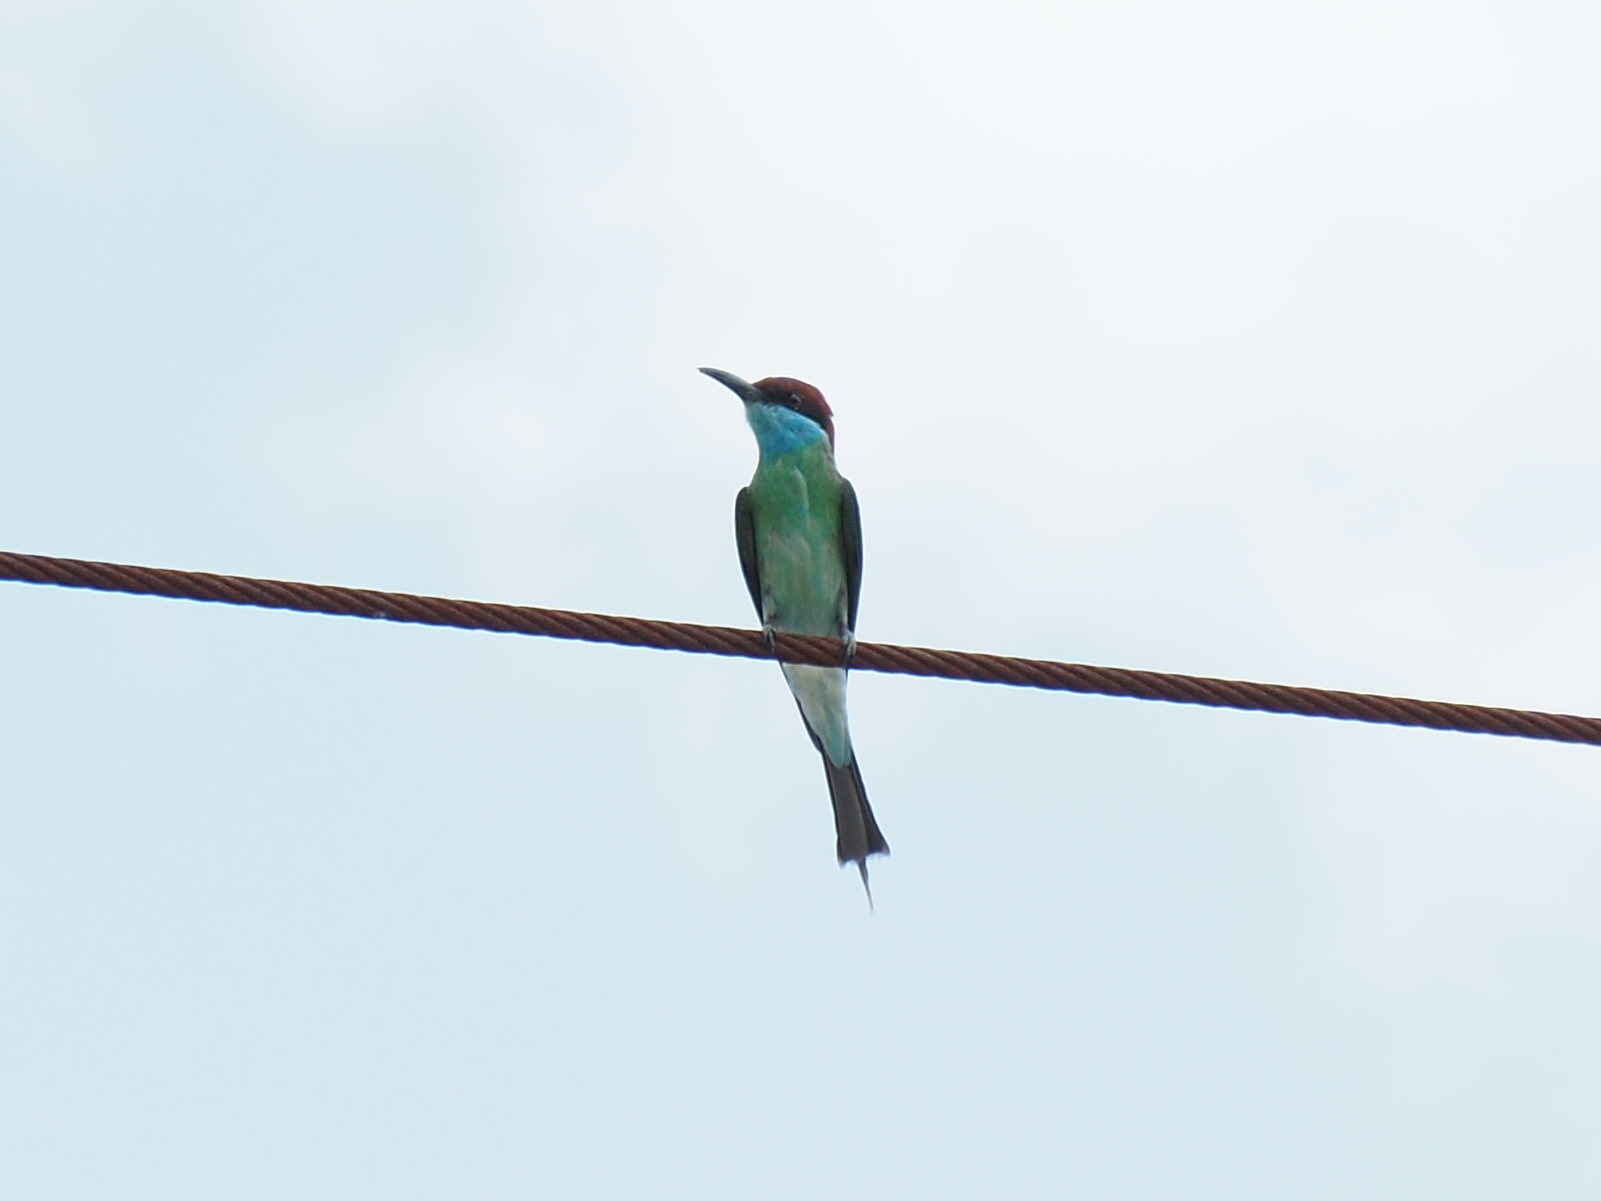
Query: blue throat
x,y
779,431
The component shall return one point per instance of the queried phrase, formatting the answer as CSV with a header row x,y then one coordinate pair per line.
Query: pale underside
x,y
795,507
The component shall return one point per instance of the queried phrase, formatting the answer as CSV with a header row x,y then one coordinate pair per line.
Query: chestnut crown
x,y
801,397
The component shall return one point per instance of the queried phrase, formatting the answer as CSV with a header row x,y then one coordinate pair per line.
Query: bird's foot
x,y
770,637
849,639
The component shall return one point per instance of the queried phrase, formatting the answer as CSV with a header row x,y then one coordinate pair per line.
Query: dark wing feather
x,y
745,536
850,528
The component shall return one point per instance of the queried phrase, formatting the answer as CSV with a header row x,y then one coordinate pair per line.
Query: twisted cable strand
x,y
796,648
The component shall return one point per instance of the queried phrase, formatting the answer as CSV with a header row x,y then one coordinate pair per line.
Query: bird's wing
x,y
850,530
745,536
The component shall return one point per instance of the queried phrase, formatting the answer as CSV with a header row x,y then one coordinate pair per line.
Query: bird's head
x,y
784,413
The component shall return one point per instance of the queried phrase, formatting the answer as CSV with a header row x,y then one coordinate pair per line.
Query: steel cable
x,y
794,648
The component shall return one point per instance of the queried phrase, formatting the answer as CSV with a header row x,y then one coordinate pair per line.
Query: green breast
x,y
795,507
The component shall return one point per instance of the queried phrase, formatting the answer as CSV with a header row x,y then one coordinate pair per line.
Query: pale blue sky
x,y
1219,338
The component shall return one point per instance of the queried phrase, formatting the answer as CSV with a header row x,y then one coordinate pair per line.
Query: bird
x,y
799,532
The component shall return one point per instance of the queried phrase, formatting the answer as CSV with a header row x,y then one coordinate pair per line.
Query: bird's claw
x,y
849,639
770,637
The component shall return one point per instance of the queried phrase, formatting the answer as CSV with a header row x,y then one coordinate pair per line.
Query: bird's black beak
x,y
734,384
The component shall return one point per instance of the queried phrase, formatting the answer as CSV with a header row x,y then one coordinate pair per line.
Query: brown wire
x,y
794,648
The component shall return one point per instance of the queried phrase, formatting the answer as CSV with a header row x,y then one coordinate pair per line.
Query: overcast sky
x,y
1242,339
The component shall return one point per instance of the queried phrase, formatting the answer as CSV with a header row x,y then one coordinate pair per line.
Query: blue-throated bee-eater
x,y
799,532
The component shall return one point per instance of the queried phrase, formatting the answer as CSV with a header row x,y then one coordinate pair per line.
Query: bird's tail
x,y
855,827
